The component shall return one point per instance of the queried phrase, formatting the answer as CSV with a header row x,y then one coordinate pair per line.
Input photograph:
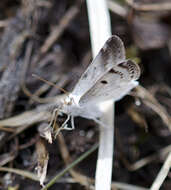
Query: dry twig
x,y
57,31
151,102
162,174
163,6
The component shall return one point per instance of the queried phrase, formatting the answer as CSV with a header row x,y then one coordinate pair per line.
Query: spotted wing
x,y
111,54
114,84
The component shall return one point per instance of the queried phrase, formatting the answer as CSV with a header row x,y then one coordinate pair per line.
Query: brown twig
x,y
78,177
151,102
163,6
57,31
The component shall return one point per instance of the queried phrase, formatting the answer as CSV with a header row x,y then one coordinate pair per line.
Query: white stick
x,y
99,23
162,174
100,31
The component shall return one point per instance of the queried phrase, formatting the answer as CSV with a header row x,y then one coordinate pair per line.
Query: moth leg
x,y
53,116
64,126
56,113
72,123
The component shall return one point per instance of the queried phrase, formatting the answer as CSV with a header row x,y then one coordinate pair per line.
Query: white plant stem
x,y
100,31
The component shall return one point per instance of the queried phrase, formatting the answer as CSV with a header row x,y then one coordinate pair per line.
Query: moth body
x,y
73,108
109,77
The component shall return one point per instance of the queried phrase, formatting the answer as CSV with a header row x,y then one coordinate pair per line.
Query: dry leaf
x,y
42,161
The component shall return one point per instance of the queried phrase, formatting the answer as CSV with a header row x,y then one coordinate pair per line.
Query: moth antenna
x,y
51,84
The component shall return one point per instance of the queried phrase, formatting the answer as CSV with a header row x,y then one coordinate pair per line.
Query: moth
x,y
109,76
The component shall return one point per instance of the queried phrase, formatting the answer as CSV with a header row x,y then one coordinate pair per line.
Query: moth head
x,y
68,100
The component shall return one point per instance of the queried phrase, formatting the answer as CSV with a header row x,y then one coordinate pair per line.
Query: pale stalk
x,y
100,31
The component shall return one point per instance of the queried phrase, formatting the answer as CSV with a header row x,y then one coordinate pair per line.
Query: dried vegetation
x,y
51,39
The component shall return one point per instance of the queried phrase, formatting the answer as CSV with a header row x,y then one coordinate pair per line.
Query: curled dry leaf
x,y
42,161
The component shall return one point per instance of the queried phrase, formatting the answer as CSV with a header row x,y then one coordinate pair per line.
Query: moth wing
x,y
112,53
113,85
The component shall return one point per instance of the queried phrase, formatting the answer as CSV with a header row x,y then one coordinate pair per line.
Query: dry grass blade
x,y
151,102
161,154
162,174
41,113
3,23
125,186
163,6
117,9
138,118
78,177
59,175
57,31
23,173
6,129
6,158
42,160
27,118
